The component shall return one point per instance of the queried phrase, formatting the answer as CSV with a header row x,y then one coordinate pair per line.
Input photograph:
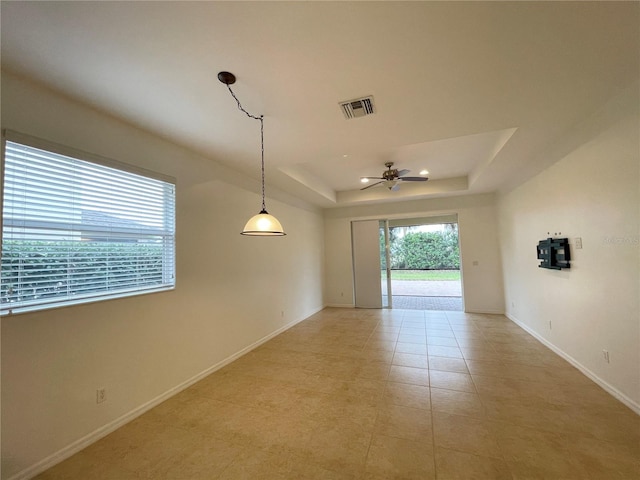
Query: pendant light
x,y
263,224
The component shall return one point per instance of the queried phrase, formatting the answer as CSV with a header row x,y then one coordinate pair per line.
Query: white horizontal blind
x,y
75,230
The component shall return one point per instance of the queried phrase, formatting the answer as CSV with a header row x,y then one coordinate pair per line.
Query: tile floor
x,y
380,394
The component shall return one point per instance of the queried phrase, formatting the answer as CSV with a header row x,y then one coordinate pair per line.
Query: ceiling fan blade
x,y
396,187
372,178
414,179
402,172
372,185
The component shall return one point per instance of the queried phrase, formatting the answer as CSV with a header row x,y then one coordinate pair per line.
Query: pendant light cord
x,y
261,118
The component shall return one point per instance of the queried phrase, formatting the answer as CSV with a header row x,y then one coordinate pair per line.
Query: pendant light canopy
x,y
263,224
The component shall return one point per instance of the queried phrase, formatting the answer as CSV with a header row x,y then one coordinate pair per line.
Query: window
x,y
76,229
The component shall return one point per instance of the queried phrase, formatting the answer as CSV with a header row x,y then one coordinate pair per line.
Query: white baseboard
x,y
105,430
606,386
486,312
340,305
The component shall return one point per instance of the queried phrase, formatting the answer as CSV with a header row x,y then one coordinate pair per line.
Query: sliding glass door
x,y
411,263
420,263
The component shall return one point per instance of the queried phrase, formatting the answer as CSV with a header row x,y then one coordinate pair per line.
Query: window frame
x,y
168,267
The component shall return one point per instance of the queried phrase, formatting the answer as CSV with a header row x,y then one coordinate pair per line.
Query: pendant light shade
x,y
262,224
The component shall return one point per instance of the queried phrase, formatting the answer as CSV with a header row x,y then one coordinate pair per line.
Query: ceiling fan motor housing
x,y
390,174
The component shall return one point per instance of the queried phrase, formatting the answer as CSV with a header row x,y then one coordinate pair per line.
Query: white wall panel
x,y
365,237
592,193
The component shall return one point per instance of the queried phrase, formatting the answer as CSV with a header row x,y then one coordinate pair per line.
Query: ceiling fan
x,y
392,178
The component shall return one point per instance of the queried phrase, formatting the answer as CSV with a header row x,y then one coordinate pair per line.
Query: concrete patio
x,y
424,295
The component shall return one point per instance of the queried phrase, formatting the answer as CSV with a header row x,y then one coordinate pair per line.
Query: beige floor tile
x,y
491,368
365,389
438,325
418,331
527,373
539,415
257,464
414,376
442,341
480,353
202,458
588,396
467,332
265,393
440,351
142,449
391,458
338,410
304,469
410,360
265,429
457,403
619,428
415,348
412,316
508,388
347,395
385,345
372,370
83,465
451,380
453,465
407,395
339,447
382,327
404,422
532,454
448,364
540,359
436,331
606,460
369,355
465,434
419,339
518,348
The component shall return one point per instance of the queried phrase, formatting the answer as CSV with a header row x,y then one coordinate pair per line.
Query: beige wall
x,y
231,292
591,193
477,222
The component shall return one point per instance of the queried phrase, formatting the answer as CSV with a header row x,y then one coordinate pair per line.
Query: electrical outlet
x,y
101,395
578,243
605,355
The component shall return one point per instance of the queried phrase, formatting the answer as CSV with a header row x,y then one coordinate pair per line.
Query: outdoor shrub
x,y
425,251
34,269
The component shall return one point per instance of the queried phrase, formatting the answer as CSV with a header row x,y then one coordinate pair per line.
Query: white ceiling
x,y
473,92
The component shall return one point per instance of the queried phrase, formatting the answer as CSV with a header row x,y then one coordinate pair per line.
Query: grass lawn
x,y
424,275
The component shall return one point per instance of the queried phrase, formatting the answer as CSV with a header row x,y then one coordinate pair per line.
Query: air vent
x,y
359,107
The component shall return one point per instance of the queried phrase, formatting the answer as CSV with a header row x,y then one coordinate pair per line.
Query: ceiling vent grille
x,y
359,107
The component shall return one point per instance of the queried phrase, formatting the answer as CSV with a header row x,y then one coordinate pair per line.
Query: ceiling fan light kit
x,y
391,178
263,224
